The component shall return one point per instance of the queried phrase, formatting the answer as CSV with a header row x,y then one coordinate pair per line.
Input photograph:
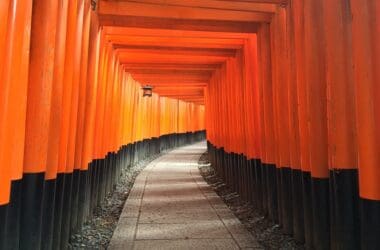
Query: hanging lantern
x,y
93,4
147,90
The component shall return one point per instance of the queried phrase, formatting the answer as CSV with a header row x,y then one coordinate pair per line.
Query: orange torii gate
x,y
287,91
69,125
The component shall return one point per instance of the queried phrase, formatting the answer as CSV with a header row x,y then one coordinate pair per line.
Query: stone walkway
x,y
171,207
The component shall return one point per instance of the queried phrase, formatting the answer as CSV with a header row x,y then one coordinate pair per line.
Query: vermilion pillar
x,y
317,120
15,84
366,60
54,169
341,126
294,127
268,164
4,173
76,60
37,196
84,68
5,181
280,55
302,101
67,102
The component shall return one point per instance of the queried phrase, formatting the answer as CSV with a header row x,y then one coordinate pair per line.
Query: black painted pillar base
x,y
83,200
297,200
66,211
3,219
279,198
307,209
344,209
74,201
321,212
58,210
93,185
259,184
252,186
12,221
48,214
272,192
31,211
370,224
263,168
286,200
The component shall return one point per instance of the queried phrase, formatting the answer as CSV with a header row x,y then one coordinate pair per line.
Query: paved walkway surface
x,y
171,207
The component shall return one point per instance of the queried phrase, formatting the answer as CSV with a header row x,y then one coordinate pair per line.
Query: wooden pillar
x,y
13,100
92,85
38,195
317,117
53,168
294,126
281,104
99,115
303,100
341,126
64,154
268,168
366,60
253,130
83,170
5,177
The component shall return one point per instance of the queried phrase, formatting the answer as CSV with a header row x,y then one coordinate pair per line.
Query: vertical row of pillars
x,y
311,131
67,107
68,201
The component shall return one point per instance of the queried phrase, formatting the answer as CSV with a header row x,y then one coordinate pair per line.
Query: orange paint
x,y
265,80
365,59
16,81
340,86
52,160
299,44
40,85
316,86
67,89
4,170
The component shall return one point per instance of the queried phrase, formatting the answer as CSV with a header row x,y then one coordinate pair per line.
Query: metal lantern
x,y
147,90
93,4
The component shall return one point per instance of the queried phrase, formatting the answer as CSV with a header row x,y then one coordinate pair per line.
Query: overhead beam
x,y
155,71
180,88
175,50
133,31
154,81
138,58
159,66
214,4
124,8
204,76
184,42
281,2
178,24
183,94
188,97
175,84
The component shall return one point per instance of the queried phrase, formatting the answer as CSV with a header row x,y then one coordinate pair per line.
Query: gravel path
x,y
171,207
97,233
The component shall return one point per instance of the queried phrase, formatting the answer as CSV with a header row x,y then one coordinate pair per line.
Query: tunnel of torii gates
x,y
288,93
